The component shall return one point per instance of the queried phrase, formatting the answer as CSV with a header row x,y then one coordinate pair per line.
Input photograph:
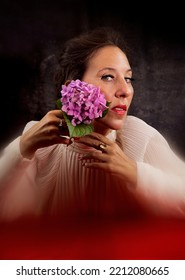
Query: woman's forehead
x,y
109,57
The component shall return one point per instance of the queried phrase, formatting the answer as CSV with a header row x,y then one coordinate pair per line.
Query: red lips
x,y
119,109
122,107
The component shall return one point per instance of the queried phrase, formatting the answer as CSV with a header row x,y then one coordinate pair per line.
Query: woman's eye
x,y
107,77
129,80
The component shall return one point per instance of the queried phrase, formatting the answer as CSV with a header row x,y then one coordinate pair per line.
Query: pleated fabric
x,y
56,184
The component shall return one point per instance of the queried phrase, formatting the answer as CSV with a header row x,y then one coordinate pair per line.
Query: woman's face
x,y
109,69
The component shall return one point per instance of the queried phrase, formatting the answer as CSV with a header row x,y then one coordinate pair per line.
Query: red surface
x,y
104,239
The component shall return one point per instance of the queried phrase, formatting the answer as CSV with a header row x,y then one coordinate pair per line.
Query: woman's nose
x,y
123,89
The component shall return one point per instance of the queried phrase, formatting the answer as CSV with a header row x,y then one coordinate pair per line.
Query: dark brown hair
x,y
76,52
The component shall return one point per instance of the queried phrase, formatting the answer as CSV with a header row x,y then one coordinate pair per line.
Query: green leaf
x,y
106,111
58,103
78,130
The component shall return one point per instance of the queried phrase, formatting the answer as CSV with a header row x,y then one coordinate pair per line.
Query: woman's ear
x,y
67,82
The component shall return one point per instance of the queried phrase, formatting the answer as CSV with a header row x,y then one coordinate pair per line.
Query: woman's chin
x,y
116,126
104,125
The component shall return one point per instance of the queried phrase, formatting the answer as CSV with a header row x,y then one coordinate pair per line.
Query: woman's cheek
x,y
109,96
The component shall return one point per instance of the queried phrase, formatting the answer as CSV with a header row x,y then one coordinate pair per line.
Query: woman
x,y
125,167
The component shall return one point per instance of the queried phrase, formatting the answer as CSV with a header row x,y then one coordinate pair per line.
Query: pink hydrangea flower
x,y
82,102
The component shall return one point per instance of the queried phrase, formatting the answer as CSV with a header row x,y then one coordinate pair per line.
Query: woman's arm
x,y
161,179
153,173
10,158
37,134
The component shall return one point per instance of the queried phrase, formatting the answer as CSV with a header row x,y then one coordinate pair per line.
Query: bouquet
x,y
81,103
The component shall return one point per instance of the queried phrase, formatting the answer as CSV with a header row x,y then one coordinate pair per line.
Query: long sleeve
x,y
160,172
161,179
18,192
11,157
54,181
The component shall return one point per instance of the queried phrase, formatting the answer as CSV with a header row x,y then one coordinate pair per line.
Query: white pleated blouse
x,y
55,183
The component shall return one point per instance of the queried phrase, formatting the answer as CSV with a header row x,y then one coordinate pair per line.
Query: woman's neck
x,y
102,129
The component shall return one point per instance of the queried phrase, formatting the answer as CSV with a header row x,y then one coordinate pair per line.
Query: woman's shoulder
x,y
136,124
136,135
131,119
139,131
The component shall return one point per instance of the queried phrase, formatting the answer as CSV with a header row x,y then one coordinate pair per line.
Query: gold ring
x,y
102,147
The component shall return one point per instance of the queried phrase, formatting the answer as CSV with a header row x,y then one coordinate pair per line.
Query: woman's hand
x,y
109,157
46,132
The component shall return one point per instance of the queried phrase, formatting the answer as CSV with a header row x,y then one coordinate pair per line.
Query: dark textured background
x,y
30,36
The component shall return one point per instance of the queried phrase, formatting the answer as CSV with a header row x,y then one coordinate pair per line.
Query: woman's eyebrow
x,y
113,69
